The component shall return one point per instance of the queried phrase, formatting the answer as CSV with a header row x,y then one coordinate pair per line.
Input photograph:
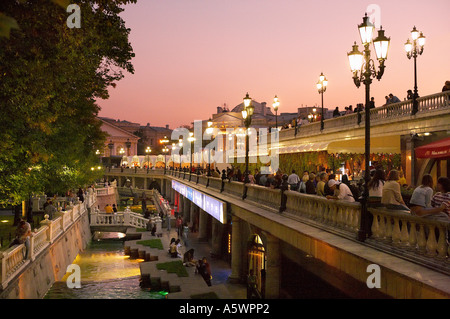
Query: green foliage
x,y
152,243
50,77
176,267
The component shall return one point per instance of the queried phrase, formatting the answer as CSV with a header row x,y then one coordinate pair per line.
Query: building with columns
x,y
117,141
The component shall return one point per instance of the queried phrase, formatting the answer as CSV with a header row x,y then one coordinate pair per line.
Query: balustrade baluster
x,y
375,226
431,242
442,243
396,232
412,236
422,240
404,236
381,228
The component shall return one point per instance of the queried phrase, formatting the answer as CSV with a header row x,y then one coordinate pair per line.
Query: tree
x,y
50,78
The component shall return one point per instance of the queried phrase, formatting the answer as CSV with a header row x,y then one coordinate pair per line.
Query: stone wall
x,y
50,266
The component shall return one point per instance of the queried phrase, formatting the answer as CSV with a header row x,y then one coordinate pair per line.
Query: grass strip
x,y
176,267
152,243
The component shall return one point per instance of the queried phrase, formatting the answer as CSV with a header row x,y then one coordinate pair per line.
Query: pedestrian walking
x,y
185,234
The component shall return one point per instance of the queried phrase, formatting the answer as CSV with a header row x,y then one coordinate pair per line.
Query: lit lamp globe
x,y
381,45
276,103
408,46
421,40
355,57
366,30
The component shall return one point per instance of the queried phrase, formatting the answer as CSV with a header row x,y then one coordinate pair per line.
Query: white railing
x,y
126,218
13,260
38,241
422,236
332,213
388,112
105,191
419,239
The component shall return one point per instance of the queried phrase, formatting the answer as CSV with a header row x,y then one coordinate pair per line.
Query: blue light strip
x,y
211,205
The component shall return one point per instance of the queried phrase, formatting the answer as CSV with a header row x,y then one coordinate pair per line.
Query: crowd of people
x,y
384,189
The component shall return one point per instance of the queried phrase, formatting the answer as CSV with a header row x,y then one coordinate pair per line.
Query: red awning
x,y
438,149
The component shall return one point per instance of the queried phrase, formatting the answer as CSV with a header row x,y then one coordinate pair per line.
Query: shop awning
x,y
381,145
309,147
438,149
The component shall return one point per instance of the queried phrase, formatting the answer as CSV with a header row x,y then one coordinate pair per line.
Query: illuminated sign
x,y
211,205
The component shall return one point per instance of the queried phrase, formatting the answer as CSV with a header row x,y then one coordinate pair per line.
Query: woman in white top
x,y
420,202
376,186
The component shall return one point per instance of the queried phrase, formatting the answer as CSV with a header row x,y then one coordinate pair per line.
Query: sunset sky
x,y
195,55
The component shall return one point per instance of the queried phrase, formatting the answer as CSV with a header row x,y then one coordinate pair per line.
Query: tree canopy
x,y
50,78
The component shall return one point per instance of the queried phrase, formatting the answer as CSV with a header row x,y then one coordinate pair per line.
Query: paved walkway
x,y
194,283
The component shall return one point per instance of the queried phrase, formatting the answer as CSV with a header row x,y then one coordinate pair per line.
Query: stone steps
x,y
178,287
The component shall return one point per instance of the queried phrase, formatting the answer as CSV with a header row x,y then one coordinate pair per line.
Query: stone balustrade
x,y
16,258
387,113
126,218
421,238
424,239
335,214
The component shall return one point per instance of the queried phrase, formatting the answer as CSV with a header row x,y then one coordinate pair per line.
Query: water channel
x,y
106,273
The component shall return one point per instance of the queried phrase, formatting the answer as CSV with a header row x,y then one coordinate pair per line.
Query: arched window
x,y
257,261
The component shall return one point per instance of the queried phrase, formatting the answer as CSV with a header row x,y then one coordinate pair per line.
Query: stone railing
x,y
105,191
418,238
126,218
15,259
438,101
332,214
161,204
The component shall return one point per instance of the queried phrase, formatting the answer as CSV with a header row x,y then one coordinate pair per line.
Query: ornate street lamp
x,y
413,50
174,147
209,131
165,150
147,152
363,69
276,105
322,87
191,140
164,141
247,114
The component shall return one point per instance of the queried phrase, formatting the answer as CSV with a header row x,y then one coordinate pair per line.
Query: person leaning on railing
x,y
391,196
420,202
376,187
443,194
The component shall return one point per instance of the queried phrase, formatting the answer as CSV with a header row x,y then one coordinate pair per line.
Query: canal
x,y
106,273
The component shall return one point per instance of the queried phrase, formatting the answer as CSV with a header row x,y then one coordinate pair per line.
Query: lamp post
x,y
413,50
276,105
191,140
174,147
363,69
322,87
209,131
147,152
165,150
247,114
164,141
